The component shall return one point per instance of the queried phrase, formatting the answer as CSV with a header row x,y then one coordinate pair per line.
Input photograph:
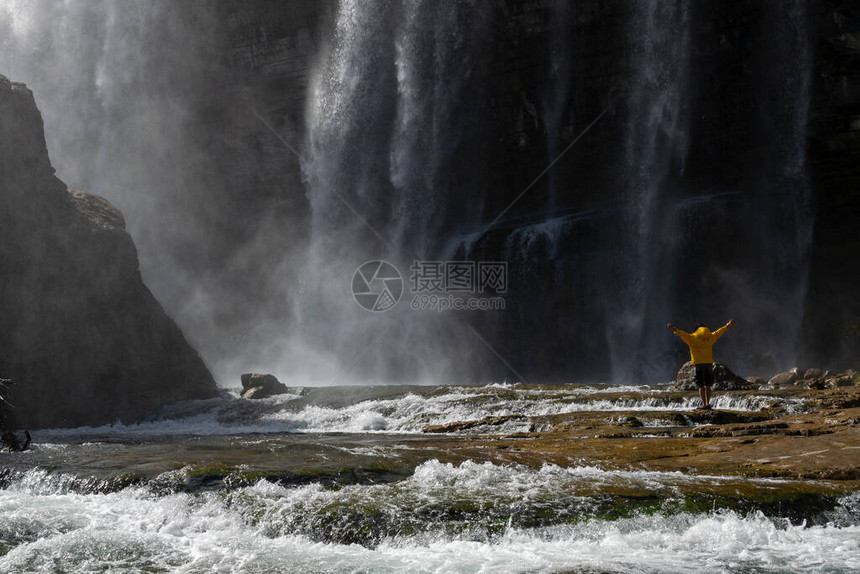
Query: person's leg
x,y
700,380
708,376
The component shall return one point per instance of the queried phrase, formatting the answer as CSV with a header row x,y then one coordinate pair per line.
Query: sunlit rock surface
x,y
795,432
82,336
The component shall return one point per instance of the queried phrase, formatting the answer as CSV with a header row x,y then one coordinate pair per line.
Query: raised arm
x,y
683,334
719,332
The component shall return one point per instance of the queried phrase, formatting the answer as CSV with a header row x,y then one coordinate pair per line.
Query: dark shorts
x,y
704,376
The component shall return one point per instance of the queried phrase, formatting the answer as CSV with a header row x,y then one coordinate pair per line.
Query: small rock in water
x,y
260,386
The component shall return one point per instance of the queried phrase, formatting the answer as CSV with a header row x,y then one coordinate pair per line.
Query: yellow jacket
x,y
701,342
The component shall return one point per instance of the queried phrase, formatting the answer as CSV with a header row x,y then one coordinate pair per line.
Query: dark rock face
x,y
724,379
831,333
7,437
258,386
82,336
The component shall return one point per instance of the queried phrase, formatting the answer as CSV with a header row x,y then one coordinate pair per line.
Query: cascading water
x,y
654,151
743,248
394,170
384,128
428,478
680,250
785,231
435,59
556,102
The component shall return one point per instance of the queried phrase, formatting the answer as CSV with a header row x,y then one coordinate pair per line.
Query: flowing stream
x,y
342,480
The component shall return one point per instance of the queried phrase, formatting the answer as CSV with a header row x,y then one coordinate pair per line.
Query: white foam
x,y
688,543
409,410
250,530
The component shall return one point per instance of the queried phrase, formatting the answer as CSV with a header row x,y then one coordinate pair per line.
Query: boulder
x,y
813,373
842,380
260,386
786,378
83,338
724,379
756,381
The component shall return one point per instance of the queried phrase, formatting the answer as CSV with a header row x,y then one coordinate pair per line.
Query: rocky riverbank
x,y
383,433
797,432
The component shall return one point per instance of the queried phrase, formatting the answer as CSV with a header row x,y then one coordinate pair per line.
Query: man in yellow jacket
x,y
701,343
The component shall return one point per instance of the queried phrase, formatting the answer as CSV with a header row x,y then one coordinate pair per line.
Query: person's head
x,y
702,331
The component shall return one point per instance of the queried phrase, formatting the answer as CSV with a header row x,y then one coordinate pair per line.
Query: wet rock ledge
x,y
796,432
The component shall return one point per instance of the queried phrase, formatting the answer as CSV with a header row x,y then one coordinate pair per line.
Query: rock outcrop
x,y
7,437
724,379
259,386
813,378
83,338
787,378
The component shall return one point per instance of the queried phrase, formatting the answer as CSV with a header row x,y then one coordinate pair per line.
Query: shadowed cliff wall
x,y
81,336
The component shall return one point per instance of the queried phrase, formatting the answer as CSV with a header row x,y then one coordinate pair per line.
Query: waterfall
x,y
782,211
410,105
655,148
744,249
434,64
556,101
384,128
114,87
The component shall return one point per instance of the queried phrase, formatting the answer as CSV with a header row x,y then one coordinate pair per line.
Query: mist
x,y
262,152
126,93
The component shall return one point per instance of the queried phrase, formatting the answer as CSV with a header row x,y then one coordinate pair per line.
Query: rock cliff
x,y
80,334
